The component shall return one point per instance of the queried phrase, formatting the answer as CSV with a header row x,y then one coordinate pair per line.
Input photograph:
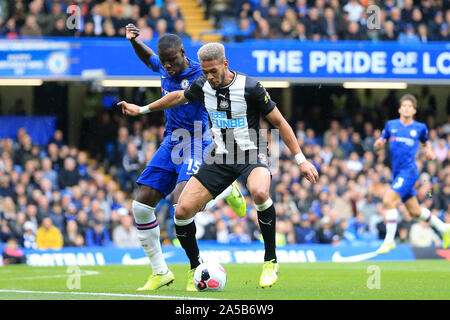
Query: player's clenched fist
x,y
131,31
129,109
309,171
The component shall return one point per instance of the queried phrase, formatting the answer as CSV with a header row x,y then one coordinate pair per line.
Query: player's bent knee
x,y
183,212
260,195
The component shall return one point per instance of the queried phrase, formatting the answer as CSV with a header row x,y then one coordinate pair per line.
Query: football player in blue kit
x,y
163,175
405,136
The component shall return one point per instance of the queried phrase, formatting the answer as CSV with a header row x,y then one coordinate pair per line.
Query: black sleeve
x,y
195,91
259,97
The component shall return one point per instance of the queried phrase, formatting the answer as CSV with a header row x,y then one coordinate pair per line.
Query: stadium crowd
x,y
57,195
402,20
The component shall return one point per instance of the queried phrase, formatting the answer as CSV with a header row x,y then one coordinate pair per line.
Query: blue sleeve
x,y
385,133
424,134
154,63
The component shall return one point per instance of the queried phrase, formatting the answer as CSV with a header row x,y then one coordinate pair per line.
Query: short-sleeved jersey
x,y
234,111
404,141
183,116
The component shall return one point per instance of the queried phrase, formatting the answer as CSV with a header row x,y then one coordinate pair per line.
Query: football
x,y
210,276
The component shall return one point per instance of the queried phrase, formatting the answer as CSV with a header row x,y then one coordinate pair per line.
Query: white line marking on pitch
x,y
82,273
123,295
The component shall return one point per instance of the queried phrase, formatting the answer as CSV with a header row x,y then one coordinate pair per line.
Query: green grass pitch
x,y
411,280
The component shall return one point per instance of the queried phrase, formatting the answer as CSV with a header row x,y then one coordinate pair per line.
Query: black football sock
x,y
267,220
186,236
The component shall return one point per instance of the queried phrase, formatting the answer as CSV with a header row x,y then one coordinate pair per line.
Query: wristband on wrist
x,y
300,158
144,110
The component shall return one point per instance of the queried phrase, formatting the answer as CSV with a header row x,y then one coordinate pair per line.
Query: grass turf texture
x,y
422,280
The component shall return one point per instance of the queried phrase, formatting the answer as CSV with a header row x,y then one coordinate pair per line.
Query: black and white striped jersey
x,y
234,111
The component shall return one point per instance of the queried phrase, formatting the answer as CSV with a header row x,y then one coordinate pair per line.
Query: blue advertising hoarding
x,y
248,253
295,61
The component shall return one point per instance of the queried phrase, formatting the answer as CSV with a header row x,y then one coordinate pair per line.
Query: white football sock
x,y
434,221
149,235
391,225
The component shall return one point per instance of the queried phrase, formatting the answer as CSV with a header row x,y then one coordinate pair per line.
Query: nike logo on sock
x,y
184,235
268,223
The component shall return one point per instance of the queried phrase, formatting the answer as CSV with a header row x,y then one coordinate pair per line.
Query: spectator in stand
x,y
303,230
48,236
98,235
354,32
422,235
315,27
407,9
31,28
72,238
12,254
125,235
69,175
444,34
179,29
131,164
408,35
354,9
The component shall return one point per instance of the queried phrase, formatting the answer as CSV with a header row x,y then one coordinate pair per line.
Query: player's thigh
x,y
413,206
192,199
148,195
258,184
154,184
178,190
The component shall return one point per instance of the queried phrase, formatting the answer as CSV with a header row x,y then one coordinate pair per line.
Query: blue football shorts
x,y
162,174
404,183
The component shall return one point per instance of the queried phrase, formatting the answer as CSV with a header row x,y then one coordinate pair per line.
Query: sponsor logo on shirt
x,y
408,141
219,120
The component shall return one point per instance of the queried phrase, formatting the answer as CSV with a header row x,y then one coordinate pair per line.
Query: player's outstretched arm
x,y
142,51
287,135
171,100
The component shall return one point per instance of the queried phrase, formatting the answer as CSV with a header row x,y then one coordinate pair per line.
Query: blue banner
x,y
288,60
40,128
34,58
248,253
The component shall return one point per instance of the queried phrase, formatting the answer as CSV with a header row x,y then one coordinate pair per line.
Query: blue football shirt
x,y
183,116
404,142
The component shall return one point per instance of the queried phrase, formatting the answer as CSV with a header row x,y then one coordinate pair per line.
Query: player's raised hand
x,y
429,154
129,109
132,32
379,143
309,171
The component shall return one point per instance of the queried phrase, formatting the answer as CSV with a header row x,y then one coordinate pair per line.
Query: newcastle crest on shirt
x,y
224,104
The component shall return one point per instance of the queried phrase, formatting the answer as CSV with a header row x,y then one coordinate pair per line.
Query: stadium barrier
x,y
226,253
294,61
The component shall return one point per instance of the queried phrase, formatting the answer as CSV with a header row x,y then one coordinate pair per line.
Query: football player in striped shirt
x,y
235,103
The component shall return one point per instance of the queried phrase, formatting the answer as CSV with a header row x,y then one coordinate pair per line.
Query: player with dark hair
x,y
235,103
163,175
404,135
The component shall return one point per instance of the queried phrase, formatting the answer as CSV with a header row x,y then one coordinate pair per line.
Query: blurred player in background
x,y
235,103
162,176
405,135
